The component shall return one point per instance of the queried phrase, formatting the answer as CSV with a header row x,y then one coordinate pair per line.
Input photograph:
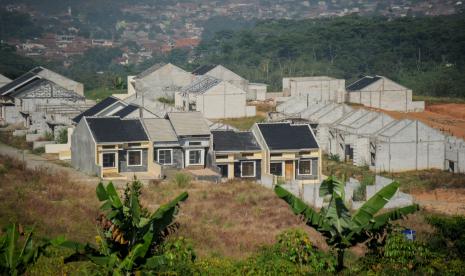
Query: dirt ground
x,y
447,201
449,118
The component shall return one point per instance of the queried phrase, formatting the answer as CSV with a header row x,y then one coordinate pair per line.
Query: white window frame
x,y
282,167
202,157
311,167
114,154
254,169
127,158
158,156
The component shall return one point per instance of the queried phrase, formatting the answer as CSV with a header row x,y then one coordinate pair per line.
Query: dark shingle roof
x,y
284,136
96,108
203,69
362,83
18,83
228,140
115,129
126,110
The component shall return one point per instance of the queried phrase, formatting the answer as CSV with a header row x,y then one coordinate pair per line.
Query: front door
x,y
289,172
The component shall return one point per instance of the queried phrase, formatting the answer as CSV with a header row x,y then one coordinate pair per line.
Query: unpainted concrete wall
x,y
83,150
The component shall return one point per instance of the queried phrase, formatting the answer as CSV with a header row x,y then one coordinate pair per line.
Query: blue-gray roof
x,y
362,83
96,108
228,140
285,136
116,130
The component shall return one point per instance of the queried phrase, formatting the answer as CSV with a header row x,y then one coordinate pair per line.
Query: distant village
x,y
163,28
171,120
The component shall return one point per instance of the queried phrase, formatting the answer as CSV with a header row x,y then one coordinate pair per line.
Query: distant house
x,y
160,80
215,98
407,145
112,148
112,106
381,92
315,89
237,154
222,73
290,152
349,136
39,99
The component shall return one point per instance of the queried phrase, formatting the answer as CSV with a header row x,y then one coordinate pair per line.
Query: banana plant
x,y
340,228
128,234
18,250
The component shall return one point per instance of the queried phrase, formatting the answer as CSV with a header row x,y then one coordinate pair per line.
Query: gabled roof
x,y
18,83
150,70
125,111
160,130
228,140
96,108
362,83
188,123
116,130
200,86
202,70
286,136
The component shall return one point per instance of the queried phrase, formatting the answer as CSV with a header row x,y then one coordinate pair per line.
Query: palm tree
x,y
340,228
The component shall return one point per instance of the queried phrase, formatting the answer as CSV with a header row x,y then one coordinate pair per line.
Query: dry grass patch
x,y
244,123
232,219
50,201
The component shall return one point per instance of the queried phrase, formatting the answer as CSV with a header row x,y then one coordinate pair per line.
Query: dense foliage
x,y
425,53
130,236
342,229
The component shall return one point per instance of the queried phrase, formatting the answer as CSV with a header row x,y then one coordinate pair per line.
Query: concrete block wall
x,y
455,154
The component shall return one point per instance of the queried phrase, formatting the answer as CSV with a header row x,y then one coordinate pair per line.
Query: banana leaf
x,y
381,220
330,186
312,218
165,215
368,210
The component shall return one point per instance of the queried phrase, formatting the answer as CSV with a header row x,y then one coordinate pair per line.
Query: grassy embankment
x,y
98,94
425,180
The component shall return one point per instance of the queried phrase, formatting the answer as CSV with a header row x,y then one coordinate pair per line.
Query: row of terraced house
x,y
112,147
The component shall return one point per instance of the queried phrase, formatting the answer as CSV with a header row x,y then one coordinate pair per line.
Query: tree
x,y
341,229
129,236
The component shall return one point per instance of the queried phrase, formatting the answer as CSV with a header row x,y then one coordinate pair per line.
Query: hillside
x,y
425,53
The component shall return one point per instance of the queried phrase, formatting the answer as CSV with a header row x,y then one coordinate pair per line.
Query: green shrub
x,y
62,137
38,151
165,100
295,246
48,136
182,180
334,157
450,234
360,194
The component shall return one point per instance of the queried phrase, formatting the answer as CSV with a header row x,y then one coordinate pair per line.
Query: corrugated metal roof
x,y
188,123
126,110
160,130
96,108
362,83
18,83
